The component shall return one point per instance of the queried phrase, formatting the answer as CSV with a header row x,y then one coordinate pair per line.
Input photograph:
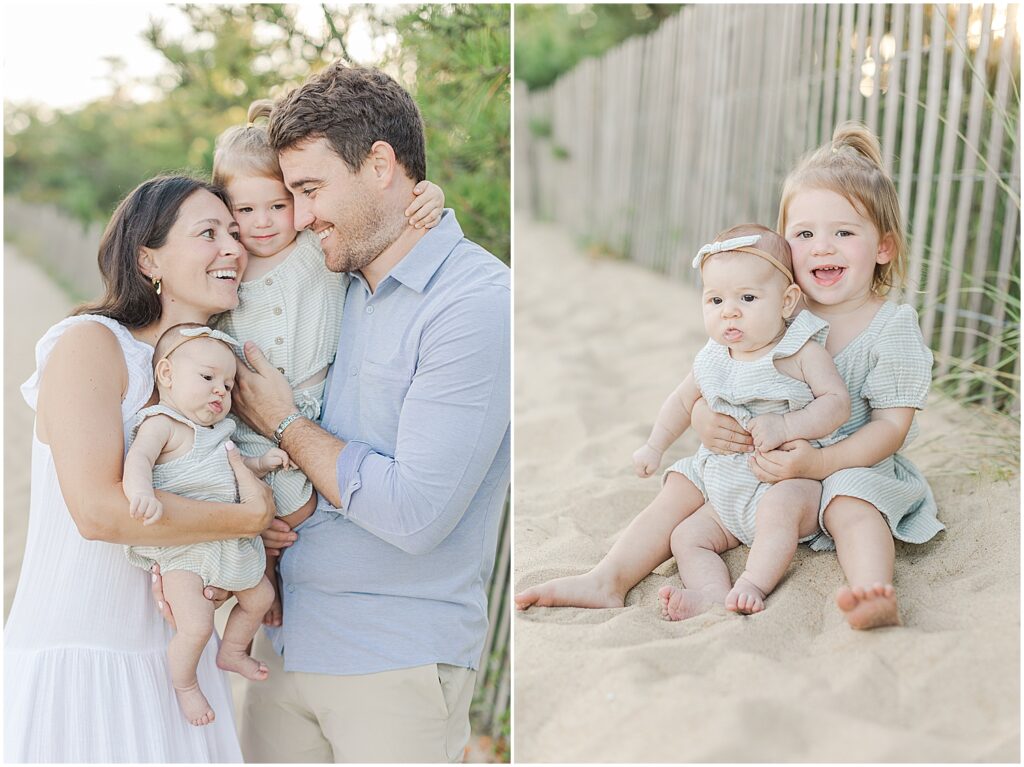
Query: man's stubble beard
x,y
368,232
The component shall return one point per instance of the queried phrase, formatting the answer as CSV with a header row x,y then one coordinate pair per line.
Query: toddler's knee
x,y
263,595
844,514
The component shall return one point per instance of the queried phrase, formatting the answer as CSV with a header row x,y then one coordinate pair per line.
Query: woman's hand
x,y
721,434
278,536
424,212
214,594
254,495
793,459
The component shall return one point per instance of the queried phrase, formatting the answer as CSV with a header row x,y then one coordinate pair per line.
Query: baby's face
x,y
745,301
265,213
198,380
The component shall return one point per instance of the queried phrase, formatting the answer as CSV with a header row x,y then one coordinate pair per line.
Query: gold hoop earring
x,y
157,284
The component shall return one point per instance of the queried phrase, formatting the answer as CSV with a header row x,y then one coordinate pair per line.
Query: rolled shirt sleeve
x,y
452,423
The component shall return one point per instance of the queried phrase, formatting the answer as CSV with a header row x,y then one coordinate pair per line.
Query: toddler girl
x,y
780,383
840,213
289,302
179,445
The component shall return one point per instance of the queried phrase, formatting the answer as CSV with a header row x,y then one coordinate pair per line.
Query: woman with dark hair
x,y
85,662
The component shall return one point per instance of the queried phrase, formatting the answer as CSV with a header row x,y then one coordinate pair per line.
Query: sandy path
x,y
598,345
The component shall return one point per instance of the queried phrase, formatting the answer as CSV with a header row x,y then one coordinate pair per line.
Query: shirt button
x,y
268,281
369,310
279,340
353,372
277,310
291,589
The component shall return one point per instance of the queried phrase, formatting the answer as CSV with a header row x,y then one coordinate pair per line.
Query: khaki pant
x,y
416,714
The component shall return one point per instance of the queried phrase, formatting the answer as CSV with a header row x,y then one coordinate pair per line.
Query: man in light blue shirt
x,y
385,610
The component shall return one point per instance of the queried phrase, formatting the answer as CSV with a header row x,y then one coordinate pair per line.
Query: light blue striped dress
x,y
744,389
205,475
293,313
887,365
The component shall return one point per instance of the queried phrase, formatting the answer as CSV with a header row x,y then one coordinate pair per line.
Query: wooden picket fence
x,y
668,138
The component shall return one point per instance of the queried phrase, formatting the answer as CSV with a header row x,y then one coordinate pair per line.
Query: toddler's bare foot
x,y
745,597
869,608
242,663
585,590
194,705
680,604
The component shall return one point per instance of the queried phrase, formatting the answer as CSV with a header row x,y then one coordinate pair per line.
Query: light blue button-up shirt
x,y
420,391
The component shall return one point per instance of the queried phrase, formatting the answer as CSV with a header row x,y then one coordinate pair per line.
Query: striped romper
x,y
205,475
744,389
887,365
293,313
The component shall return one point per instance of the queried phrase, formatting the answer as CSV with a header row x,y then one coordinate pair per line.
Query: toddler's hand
x,y
275,458
145,507
646,461
768,431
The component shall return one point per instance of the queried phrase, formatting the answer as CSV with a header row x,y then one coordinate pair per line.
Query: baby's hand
x,y
145,507
275,458
646,461
768,431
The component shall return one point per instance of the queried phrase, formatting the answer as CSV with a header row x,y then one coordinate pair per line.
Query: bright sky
x,y
53,53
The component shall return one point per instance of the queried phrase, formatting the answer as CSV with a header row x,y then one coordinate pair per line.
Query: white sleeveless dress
x,y
85,649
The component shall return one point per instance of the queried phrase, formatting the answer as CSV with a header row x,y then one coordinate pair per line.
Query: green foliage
x,y
462,85
552,39
85,160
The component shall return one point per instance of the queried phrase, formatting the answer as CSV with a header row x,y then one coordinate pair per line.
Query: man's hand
x,y
646,461
721,434
793,459
278,536
215,595
768,431
262,398
145,507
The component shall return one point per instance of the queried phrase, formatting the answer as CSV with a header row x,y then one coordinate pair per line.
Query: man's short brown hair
x,y
352,107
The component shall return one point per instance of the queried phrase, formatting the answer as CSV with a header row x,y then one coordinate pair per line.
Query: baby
x,y
780,388
289,303
179,445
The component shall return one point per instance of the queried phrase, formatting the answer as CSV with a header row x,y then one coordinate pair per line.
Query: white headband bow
x,y
723,245
190,334
742,244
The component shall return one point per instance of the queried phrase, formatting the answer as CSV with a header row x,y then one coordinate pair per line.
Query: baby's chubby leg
x,y
242,625
643,545
786,512
193,615
697,543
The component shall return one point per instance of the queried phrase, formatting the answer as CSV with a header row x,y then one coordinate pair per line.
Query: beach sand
x,y
599,343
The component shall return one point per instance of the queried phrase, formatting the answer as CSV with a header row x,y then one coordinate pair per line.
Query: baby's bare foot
x,y
869,608
242,663
194,705
585,590
680,604
745,597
